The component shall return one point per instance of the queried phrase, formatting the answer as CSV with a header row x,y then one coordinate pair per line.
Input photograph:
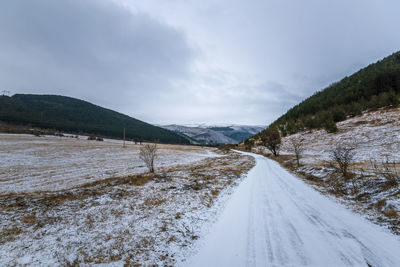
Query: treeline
x,y
76,116
375,86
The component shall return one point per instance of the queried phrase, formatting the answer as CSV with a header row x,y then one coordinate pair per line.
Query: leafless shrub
x,y
298,149
148,153
343,155
390,170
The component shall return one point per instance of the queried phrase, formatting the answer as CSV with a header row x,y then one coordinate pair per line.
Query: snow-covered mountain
x,y
215,134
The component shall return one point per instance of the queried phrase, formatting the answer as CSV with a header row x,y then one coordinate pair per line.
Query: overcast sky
x,y
190,61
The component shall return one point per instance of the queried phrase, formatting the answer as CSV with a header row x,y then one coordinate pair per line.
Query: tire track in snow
x,y
326,229
275,219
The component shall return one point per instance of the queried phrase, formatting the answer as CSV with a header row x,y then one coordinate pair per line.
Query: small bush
x,y
148,153
330,126
343,155
339,115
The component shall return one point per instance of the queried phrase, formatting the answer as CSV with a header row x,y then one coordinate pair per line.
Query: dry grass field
x,y
29,163
69,202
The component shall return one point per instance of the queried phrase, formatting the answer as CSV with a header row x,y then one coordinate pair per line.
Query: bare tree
x,y
343,154
148,153
271,138
298,148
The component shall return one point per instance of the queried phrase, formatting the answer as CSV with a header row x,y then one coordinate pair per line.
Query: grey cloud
x,y
198,61
302,45
96,50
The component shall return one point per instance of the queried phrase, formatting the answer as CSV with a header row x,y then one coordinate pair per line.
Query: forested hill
x,y
375,86
77,116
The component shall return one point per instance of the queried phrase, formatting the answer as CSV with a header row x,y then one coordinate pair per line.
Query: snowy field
x,y
29,163
68,202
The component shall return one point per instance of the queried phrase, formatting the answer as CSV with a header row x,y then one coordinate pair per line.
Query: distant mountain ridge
x,y
205,134
77,116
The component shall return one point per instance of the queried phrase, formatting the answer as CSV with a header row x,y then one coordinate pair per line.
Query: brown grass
x,y
140,180
215,192
357,123
391,213
153,202
29,219
9,234
380,204
207,200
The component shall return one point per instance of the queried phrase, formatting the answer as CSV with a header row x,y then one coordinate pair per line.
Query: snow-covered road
x,y
275,219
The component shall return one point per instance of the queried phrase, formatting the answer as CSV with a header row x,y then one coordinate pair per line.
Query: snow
x,y
29,163
275,219
376,138
201,135
375,135
115,222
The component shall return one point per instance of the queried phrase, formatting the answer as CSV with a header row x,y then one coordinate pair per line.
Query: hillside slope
x,y
377,85
77,116
373,184
356,119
